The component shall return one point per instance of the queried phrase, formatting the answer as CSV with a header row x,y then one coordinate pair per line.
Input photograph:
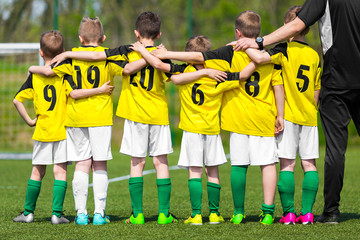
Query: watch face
x,y
259,39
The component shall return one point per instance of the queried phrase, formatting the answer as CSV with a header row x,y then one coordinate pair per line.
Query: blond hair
x,y
249,24
198,43
51,43
91,30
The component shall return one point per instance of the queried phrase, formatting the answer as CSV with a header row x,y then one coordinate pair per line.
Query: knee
x,y
308,165
160,160
138,162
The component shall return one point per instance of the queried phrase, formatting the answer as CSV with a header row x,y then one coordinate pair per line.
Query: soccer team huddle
x,y
267,99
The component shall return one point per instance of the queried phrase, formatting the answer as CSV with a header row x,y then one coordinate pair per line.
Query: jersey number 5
x,y
51,99
301,75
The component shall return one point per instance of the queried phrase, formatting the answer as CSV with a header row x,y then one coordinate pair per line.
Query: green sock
x,y
286,188
213,190
32,194
195,189
309,191
268,209
238,184
164,191
136,185
59,191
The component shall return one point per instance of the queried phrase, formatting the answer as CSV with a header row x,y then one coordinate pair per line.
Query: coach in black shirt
x,y
339,26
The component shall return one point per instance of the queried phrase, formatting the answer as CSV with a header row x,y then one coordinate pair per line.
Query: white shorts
x,y
252,150
87,142
200,149
47,153
298,138
139,138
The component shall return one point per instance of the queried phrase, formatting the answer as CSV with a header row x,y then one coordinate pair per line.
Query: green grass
x,y
14,176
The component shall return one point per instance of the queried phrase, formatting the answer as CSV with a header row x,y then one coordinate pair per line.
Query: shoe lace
x,y
261,214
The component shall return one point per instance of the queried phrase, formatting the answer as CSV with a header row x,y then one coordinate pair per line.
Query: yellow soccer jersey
x,y
201,102
301,73
96,110
142,96
251,108
49,97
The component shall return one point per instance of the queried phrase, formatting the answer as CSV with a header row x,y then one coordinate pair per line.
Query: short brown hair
x,y
291,14
52,43
198,43
91,30
148,25
249,24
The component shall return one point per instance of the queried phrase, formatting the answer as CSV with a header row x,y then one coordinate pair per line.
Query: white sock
x,y
80,185
100,186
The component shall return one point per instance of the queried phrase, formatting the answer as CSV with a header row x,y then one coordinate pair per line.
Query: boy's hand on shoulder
x,y
279,125
106,88
218,75
160,52
58,59
138,47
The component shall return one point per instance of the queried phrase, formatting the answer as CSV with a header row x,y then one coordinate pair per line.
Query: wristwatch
x,y
259,41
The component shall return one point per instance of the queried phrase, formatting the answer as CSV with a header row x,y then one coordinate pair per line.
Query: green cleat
x,y
197,220
135,220
237,219
162,219
215,218
266,219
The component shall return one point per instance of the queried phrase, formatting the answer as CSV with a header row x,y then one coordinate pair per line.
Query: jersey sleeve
x,y
63,68
278,52
69,84
277,76
116,67
119,53
219,59
26,91
177,69
318,78
311,11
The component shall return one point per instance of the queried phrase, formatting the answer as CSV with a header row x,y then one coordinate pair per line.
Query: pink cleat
x,y
290,218
305,219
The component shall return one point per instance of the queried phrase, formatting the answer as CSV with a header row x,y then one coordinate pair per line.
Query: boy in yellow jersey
x,y
89,121
249,113
143,104
301,73
49,98
199,118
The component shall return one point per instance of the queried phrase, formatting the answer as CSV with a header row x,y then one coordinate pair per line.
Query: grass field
x,y
14,176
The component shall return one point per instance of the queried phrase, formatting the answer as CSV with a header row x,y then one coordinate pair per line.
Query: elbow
x,y
175,80
74,95
15,102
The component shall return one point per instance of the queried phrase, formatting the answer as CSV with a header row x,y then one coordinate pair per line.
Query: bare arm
x,y
134,67
257,56
247,71
280,104
191,76
283,33
44,70
82,55
23,113
192,57
317,94
106,88
152,60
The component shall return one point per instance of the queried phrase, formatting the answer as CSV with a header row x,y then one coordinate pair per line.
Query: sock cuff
x,y
240,166
163,181
60,183
194,180
100,172
267,208
214,185
81,173
286,173
136,180
34,183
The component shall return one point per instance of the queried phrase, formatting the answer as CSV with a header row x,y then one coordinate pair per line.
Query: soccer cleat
x,y
135,220
289,218
24,219
82,219
215,218
305,219
197,220
59,220
266,219
162,219
100,220
328,219
237,219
